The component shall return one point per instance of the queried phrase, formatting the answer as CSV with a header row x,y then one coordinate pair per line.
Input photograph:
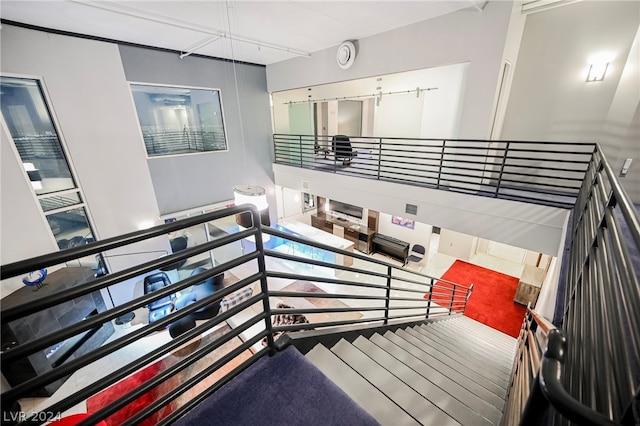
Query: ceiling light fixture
x,y
597,71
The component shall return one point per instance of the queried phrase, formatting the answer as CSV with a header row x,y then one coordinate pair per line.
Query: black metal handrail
x,y
258,302
537,378
525,369
600,321
401,296
541,172
602,298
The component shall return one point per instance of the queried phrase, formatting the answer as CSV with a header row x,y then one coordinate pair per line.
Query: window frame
x,y
178,86
40,81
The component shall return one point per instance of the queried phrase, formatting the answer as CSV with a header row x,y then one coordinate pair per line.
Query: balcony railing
x,y
588,374
548,173
183,141
382,294
589,371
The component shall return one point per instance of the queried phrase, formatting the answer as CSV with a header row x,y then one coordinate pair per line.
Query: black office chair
x,y
162,307
417,254
342,149
177,244
198,292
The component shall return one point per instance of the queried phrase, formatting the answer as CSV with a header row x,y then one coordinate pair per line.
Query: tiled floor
x,y
434,265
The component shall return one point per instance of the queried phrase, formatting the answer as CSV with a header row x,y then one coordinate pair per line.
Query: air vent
x,y
411,209
305,185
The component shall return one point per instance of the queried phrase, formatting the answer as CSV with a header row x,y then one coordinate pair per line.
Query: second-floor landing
x,y
534,227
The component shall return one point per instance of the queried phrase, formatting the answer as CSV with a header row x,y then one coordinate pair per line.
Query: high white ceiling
x,y
261,31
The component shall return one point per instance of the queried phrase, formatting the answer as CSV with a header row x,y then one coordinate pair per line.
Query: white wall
x,y
442,110
399,116
291,203
550,99
463,36
621,131
534,227
420,234
457,244
24,230
97,121
435,113
92,104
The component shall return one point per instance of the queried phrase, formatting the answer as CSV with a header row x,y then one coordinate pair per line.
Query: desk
x,y
359,235
49,320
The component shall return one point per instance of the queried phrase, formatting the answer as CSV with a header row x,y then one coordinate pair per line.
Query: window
x,y
177,120
36,139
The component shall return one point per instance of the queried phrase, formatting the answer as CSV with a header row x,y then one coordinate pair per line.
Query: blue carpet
x,y
285,389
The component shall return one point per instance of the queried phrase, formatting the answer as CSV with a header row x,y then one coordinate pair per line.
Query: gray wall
x,y
186,181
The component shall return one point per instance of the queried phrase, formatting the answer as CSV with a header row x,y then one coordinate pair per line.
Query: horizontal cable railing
x,y
548,173
239,334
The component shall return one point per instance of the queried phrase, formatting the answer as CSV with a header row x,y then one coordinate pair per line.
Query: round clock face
x,y
346,54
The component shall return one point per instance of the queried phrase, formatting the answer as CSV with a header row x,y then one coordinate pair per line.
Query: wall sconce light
x,y
597,71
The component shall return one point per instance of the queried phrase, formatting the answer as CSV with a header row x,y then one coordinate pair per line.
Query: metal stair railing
x,y
590,366
258,303
400,297
600,320
589,373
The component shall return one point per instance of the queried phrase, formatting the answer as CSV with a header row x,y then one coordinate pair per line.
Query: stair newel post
x,y
379,156
453,296
300,145
388,296
504,161
466,298
429,300
444,145
263,282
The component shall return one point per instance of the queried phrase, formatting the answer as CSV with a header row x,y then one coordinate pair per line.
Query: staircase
x,y
448,372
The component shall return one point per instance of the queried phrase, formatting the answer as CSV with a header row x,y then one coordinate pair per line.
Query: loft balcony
x,y
580,367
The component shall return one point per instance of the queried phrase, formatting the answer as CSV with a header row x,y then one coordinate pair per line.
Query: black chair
x,y
417,254
342,149
158,308
177,244
198,292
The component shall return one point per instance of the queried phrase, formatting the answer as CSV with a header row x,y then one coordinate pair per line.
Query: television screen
x,y
344,208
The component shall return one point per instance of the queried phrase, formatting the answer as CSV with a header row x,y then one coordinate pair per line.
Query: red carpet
x,y
491,302
127,384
